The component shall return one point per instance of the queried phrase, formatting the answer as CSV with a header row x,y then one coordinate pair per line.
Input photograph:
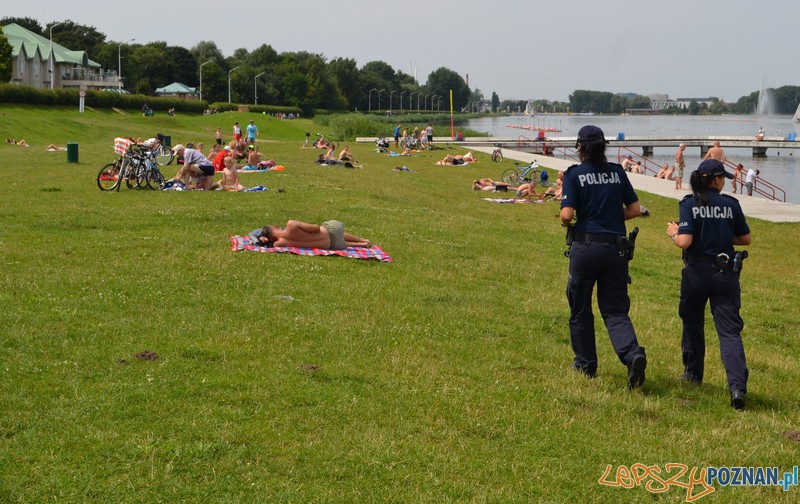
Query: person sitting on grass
x,y
253,159
329,235
321,143
230,177
347,158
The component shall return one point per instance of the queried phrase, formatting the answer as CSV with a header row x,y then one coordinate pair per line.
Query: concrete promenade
x,y
760,208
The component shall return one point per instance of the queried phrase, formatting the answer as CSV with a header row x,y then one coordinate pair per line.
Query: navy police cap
x,y
590,133
713,168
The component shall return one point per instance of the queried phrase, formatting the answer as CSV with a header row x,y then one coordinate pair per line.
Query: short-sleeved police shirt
x,y
712,226
599,197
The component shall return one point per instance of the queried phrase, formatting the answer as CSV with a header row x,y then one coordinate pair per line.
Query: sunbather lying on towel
x,y
458,159
487,184
329,235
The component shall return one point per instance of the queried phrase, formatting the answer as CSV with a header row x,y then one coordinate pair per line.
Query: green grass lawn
x,y
442,377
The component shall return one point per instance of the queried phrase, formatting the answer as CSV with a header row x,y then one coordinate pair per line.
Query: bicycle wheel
x,y
510,176
164,156
108,178
531,176
155,179
497,156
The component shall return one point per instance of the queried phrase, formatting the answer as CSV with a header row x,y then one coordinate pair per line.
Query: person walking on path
x,y
601,197
252,132
710,225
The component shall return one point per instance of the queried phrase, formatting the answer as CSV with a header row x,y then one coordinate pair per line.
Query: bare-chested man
x,y
679,165
328,235
716,152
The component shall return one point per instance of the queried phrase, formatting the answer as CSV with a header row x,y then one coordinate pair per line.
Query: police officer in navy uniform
x,y
601,197
710,225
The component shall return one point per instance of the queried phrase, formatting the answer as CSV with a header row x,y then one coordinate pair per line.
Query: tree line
x,y
310,82
299,79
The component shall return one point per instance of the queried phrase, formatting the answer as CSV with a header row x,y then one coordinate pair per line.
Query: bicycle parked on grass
x,y
525,174
162,155
136,167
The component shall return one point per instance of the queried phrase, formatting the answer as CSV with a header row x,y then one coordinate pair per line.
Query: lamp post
x,y
437,101
369,98
425,102
229,82
255,86
411,99
52,67
201,78
419,95
401,100
390,98
379,98
119,63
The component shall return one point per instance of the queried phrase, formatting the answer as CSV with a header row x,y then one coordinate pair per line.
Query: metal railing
x,y
548,147
647,163
761,186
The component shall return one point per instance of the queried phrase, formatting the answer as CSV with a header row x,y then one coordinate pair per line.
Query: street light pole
x,y
229,83
119,63
255,86
379,98
411,100
52,66
369,98
419,95
425,102
401,100
390,98
201,78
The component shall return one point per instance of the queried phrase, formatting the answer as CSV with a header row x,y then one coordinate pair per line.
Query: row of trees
x,y
308,81
300,79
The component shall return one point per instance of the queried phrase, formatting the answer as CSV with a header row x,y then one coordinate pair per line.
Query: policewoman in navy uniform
x,y
710,225
599,195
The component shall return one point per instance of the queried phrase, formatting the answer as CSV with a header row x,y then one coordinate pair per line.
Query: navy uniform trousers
x,y
599,263
700,282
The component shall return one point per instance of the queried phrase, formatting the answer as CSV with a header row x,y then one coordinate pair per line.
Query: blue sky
x,y
517,48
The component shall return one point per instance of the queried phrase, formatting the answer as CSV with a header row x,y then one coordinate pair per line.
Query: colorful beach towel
x,y
512,200
374,252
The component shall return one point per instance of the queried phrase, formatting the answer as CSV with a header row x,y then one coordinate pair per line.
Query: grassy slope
x,y
443,376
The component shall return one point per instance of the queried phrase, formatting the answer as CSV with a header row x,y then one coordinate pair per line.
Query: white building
x,y
34,58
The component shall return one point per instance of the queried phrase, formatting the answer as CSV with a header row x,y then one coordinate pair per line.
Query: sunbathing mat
x,y
374,252
512,200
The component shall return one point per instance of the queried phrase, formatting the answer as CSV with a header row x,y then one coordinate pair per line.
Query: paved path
x,y
760,208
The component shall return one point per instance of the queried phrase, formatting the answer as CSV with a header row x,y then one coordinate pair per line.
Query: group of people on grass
x,y
418,138
345,158
526,190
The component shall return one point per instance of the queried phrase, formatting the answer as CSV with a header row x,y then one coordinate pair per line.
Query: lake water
x,y
780,167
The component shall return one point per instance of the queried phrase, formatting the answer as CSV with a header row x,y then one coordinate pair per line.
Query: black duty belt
x,y
590,237
699,258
